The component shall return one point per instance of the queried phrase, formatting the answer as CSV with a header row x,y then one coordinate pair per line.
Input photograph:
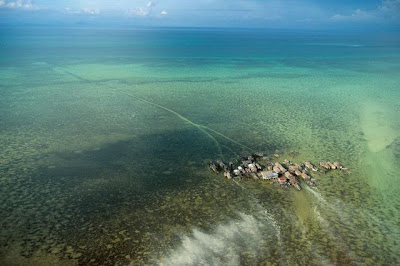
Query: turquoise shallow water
x,y
105,137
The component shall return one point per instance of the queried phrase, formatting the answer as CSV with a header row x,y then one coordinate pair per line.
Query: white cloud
x,y
137,12
71,11
91,11
163,13
357,15
86,11
390,8
150,4
144,11
25,4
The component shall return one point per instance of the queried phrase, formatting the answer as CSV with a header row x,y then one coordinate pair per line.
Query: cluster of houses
x,y
259,167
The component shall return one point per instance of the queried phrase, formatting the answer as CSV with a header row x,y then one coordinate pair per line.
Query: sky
x,y
204,13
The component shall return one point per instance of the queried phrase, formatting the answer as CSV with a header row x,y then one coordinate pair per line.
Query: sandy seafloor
x,y
105,137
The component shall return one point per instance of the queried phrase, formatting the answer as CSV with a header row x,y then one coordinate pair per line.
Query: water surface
x,y
105,137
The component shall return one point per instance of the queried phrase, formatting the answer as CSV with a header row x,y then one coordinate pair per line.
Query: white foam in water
x,y
330,206
316,194
221,247
321,219
337,206
325,224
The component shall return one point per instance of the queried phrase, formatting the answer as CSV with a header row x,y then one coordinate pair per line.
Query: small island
x,y
256,166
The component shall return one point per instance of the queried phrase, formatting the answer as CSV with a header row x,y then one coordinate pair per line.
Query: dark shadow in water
x,y
86,197
157,160
80,194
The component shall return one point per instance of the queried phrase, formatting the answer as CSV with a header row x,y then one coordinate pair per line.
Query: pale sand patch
x,y
378,125
378,122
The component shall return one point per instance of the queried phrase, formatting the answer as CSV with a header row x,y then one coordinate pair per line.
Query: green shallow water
x,y
105,143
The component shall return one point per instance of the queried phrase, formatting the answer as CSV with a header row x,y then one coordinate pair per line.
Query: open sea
x,y
106,135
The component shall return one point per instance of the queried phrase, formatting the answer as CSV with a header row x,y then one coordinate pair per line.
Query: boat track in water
x,y
201,128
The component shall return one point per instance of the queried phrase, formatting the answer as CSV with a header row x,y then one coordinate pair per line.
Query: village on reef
x,y
286,173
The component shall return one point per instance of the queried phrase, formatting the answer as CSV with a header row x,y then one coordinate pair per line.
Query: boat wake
x,y
338,211
316,194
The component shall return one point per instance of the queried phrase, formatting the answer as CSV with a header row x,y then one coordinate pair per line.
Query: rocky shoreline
x,y
256,166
